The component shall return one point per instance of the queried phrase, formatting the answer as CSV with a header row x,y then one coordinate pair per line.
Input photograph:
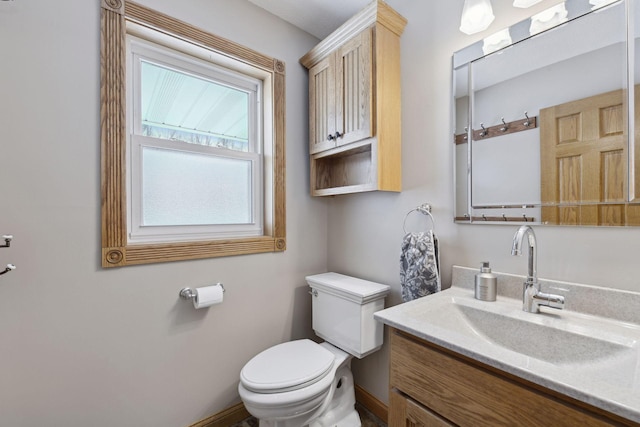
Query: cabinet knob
x,y
330,137
339,135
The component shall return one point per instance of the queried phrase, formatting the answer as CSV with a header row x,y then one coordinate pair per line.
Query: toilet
x,y
303,383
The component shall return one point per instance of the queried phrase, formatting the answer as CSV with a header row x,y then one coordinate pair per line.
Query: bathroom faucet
x,y
532,298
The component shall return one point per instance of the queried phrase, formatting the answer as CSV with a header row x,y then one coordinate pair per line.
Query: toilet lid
x,y
286,367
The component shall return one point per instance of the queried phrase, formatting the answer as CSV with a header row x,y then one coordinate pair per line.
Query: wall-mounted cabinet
x,y
354,105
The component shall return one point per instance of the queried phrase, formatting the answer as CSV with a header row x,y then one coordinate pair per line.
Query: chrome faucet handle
x,y
534,299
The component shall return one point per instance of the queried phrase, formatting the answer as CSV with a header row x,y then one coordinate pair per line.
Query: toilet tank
x,y
342,312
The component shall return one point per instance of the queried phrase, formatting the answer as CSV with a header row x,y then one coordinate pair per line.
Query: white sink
x,y
558,338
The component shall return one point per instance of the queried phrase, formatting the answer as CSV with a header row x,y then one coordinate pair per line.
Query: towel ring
x,y
424,209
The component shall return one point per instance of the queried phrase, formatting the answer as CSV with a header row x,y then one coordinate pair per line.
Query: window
x,y
194,148
193,164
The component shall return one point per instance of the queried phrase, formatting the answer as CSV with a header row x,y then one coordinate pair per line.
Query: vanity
x,y
456,360
546,131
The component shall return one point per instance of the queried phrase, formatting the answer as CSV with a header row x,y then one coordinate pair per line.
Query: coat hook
x,y
505,127
7,241
484,130
526,123
504,217
10,267
466,130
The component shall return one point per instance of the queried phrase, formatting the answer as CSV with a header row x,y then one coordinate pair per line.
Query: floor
x,y
367,418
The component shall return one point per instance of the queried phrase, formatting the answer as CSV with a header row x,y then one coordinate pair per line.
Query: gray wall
x,y
86,346
366,229
82,346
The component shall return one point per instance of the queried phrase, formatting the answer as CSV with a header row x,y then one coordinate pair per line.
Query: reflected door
x,y
584,162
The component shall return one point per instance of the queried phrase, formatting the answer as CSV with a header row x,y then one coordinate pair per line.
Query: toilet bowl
x,y
308,390
302,383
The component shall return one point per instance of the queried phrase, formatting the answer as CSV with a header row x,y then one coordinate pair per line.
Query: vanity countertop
x,y
597,336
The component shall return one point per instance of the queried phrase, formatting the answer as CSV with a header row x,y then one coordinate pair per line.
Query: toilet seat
x,y
286,367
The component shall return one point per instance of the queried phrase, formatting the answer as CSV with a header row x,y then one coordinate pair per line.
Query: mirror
x,y
541,121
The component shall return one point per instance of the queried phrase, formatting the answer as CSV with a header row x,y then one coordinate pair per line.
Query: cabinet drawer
x,y
418,415
468,394
407,413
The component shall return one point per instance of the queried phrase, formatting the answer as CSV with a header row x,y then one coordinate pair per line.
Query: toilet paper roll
x,y
207,296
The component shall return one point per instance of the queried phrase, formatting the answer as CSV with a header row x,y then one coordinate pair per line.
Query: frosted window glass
x,y
180,188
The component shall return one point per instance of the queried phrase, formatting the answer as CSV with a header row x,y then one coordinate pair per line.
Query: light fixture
x,y
496,41
597,4
548,18
477,15
525,3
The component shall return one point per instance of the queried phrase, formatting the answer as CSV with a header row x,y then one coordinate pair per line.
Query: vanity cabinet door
x,y
466,393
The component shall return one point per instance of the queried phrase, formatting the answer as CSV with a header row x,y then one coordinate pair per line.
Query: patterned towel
x,y
419,265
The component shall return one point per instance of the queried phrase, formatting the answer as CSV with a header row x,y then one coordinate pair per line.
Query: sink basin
x,y
542,341
562,339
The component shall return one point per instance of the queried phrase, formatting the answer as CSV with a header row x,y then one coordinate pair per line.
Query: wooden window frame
x,y
116,251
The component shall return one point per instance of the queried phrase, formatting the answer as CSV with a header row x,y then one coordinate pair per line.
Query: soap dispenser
x,y
486,284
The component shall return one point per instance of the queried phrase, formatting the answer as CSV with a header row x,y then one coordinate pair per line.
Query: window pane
x,y
180,106
180,188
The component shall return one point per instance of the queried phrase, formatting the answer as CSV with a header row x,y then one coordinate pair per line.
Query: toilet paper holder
x,y
190,294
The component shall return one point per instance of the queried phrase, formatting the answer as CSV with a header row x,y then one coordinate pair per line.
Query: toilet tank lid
x,y
352,288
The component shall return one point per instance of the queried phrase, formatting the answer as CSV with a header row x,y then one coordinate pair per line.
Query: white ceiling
x,y
317,17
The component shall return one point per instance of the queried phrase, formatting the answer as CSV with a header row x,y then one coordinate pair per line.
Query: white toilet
x,y
302,383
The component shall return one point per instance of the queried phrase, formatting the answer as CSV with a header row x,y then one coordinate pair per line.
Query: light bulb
x,y
477,15
525,3
496,41
549,18
597,4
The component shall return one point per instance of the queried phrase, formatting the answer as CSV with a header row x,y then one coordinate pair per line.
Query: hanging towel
x,y
419,265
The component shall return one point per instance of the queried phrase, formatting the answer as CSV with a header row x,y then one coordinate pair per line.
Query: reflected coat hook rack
x,y
504,128
502,218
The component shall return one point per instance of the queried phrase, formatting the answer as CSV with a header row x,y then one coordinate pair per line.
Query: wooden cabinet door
x,y
451,388
584,161
354,89
322,105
